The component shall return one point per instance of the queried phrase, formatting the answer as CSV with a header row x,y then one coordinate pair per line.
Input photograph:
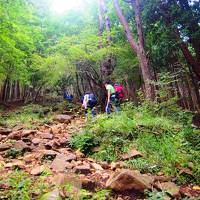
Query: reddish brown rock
x,y
15,135
20,145
45,135
63,118
128,180
37,170
131,154
36,141
28,132
29,158
96,166
83,169
162,178
68,157
5,131
115,165
5,146
88,183
17,163
56,129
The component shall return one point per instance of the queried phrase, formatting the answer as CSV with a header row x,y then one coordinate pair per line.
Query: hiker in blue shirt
x,y
89,101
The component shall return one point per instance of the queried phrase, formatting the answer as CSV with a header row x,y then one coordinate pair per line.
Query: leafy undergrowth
x,y
19,185
29,116
165,138
32,115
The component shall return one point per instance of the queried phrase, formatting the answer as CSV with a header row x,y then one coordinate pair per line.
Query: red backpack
x,y
119,91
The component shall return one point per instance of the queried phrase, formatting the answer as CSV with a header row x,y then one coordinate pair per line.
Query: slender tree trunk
x,y
138,49
101,24
77,85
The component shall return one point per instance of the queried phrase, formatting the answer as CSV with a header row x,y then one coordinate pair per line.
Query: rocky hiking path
x,y
46,149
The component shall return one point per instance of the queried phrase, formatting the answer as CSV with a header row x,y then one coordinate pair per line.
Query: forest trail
x,y
46,150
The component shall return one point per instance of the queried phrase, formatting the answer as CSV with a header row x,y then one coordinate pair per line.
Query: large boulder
x,y
63,118
128,180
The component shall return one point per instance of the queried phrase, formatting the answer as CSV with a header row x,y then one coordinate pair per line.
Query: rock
x,y
56,129
5,146
18,163
115,165
28,132
58,165
63,118
96,166
82,169
48,152
162,178
186,171
20,145
190,191
79,154
88,184
170,188
63,140
46,136
15,135
36,141
105,165
132,154
37,170
128,180
18,127
69,165
68,157
5,131
29,158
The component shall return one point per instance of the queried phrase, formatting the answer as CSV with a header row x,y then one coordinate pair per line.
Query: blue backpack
x,y
92,98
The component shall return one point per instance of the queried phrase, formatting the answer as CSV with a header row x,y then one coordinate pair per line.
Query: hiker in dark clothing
x,y
89,101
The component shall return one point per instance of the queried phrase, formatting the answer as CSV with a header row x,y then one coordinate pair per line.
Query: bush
x,y
85,142
164,142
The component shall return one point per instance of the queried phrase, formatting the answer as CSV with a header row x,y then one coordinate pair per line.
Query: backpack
x,y
93,98
119,91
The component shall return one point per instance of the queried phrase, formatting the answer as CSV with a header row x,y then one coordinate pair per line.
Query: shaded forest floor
x,y
52,153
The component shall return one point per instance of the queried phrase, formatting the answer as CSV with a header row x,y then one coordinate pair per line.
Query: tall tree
x,y
138,46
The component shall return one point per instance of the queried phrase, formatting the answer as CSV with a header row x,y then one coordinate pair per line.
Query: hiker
x,y
111,98
119,93
89,100
68,97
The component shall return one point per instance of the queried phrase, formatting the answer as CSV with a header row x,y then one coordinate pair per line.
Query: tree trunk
x,y
138,49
